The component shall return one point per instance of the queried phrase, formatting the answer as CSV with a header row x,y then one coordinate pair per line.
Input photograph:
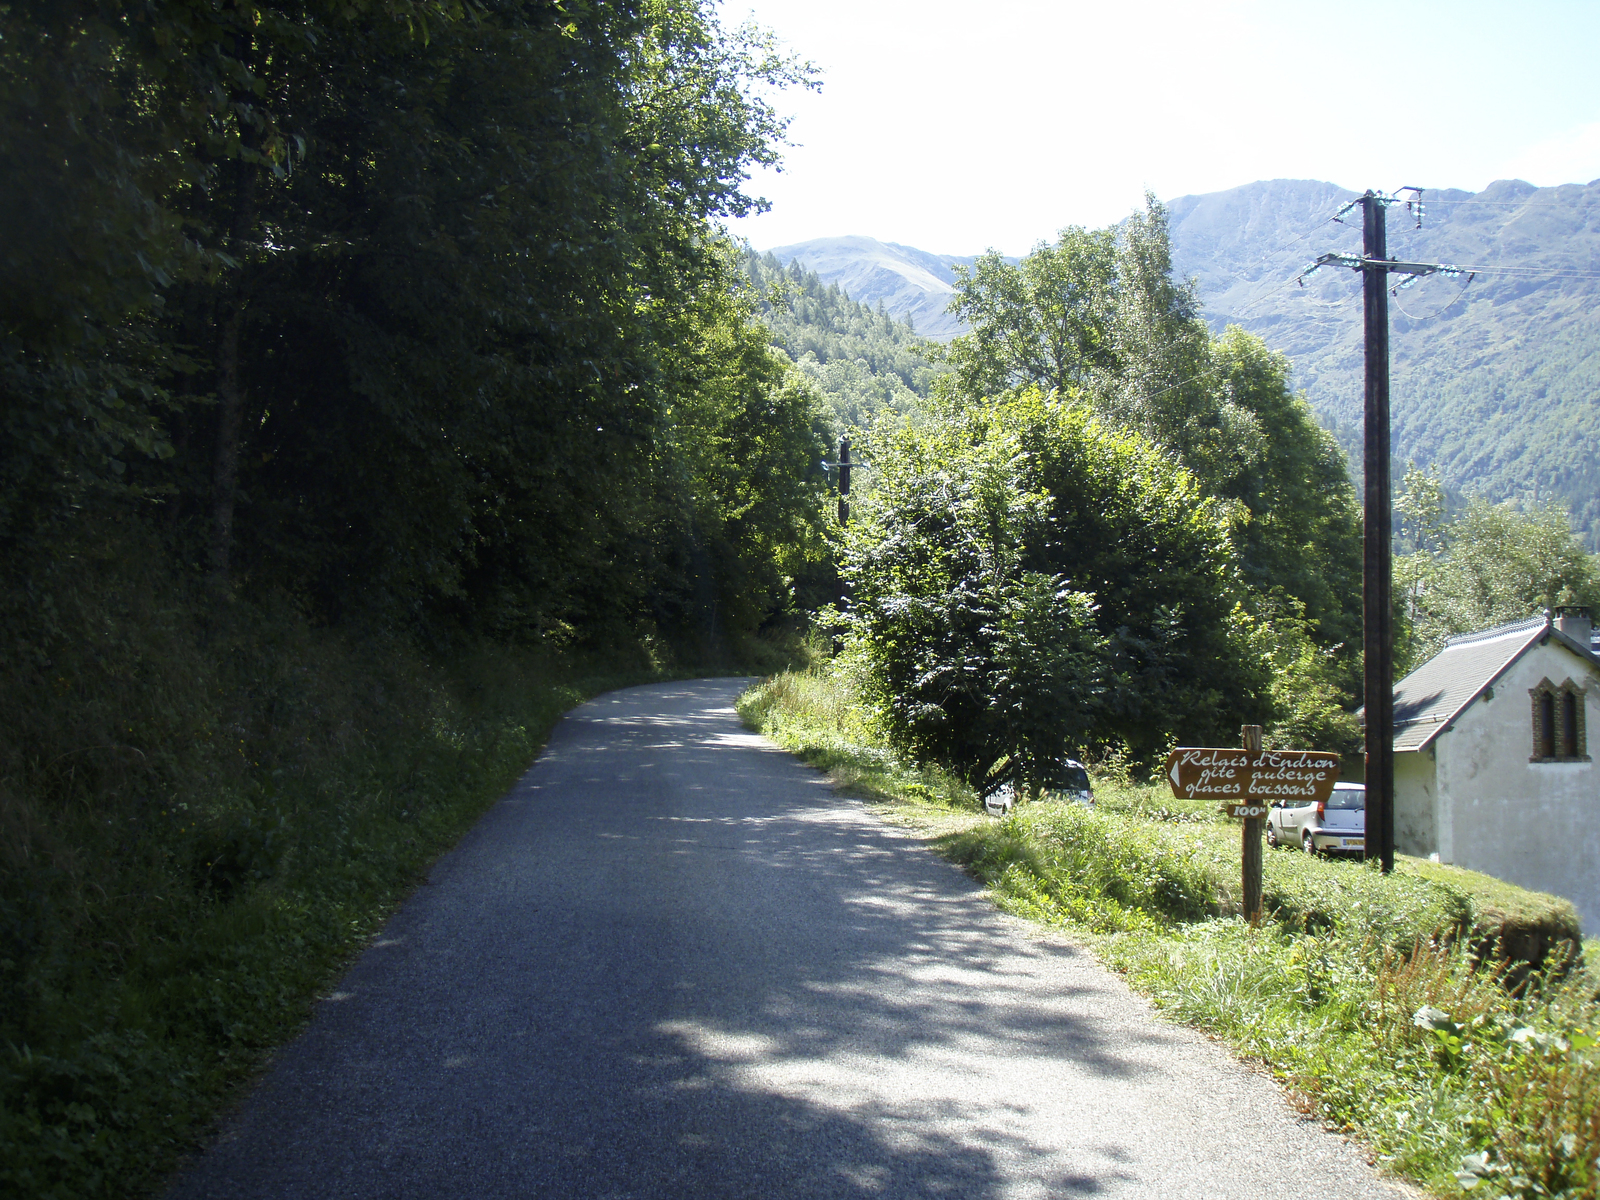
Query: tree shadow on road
x,y
673,963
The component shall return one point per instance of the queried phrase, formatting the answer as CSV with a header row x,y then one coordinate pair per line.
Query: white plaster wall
x,y
1414,799
1533,824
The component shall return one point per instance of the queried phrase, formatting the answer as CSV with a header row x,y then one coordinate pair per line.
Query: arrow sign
x,y
1202,773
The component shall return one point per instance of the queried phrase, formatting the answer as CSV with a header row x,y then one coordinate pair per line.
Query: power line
x,y
1279,250
1448,269
1414,205
1261,298
1239,274
1548,272
1517,203
1410,280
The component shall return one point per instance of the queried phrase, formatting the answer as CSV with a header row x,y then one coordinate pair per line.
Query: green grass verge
x,y
1365,994
205,811
135,1017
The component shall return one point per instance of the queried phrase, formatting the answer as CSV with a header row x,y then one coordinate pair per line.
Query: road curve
x,y
672,963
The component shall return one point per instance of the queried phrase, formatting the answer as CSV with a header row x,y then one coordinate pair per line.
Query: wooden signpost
x,y
1251,778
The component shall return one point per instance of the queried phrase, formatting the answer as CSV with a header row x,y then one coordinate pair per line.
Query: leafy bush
x,y
1068,862
1400,911
815,715
1027,582
1542,1124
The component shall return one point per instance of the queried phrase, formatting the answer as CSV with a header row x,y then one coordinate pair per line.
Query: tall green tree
x,y
1099,318
1044,322
1299,531
1025,576
1156,381
739,482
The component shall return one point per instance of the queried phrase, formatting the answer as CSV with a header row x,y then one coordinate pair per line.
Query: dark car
x,y
1071,782
1339,825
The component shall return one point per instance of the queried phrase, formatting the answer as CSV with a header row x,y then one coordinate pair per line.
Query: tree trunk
x,y
225,468
230,395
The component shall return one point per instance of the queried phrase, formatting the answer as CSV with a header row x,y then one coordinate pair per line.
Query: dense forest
x,y
341,301
860,359
372,370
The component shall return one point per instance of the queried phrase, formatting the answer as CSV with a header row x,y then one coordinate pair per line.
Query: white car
x,y
1338,826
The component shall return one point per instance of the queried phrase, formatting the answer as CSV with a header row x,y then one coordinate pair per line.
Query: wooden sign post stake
x,y
1254,780
1250,847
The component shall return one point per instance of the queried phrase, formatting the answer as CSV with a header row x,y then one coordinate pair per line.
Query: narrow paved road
x,y
671,963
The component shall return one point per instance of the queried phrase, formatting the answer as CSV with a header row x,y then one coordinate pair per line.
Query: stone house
x,y
1492,768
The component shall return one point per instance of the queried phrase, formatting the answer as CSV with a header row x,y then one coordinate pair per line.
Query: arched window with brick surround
x,y
1559,733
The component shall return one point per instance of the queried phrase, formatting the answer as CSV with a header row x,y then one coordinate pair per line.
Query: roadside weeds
x,y
1377,1002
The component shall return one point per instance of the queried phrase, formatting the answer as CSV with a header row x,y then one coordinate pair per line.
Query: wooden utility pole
x,y
1378,568
1250,845
844,519
1377,621
844,481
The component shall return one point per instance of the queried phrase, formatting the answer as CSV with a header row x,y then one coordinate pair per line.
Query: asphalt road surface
x,y
672,963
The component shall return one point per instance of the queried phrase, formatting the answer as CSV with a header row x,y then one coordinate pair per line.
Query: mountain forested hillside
x,y
861,359
914,285
1496,381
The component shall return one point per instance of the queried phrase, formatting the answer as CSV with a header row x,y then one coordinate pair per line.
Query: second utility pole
x,y
844,481
1377,614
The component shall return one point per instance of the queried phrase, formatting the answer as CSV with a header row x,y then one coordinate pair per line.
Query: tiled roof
x,y
1433,695
1426,700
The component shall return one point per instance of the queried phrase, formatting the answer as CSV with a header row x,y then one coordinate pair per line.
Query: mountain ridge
x,y
913,285
1495,380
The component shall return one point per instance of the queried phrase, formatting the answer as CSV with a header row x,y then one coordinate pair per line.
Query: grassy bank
x,y
205,809
1379,1002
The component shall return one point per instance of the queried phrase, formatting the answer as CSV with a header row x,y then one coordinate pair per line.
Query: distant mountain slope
x,y
912,285
861,359
1498,385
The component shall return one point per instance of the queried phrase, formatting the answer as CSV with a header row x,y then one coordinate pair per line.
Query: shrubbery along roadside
x,y
1370,997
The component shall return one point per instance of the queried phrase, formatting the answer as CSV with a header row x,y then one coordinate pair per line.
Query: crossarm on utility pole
x,y
1405,268
1358,262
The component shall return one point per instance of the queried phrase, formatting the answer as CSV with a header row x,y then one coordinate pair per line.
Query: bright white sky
x,y
954,127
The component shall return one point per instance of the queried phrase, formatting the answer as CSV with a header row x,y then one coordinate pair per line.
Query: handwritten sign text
x,y
1260,776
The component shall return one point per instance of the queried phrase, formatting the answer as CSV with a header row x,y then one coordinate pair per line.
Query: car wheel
x,y
1272,836
1308,843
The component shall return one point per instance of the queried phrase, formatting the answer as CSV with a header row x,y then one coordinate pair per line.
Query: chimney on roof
x,y
1574,621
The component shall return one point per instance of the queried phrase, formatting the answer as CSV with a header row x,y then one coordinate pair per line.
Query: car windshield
x,y
1074,779
1352,798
